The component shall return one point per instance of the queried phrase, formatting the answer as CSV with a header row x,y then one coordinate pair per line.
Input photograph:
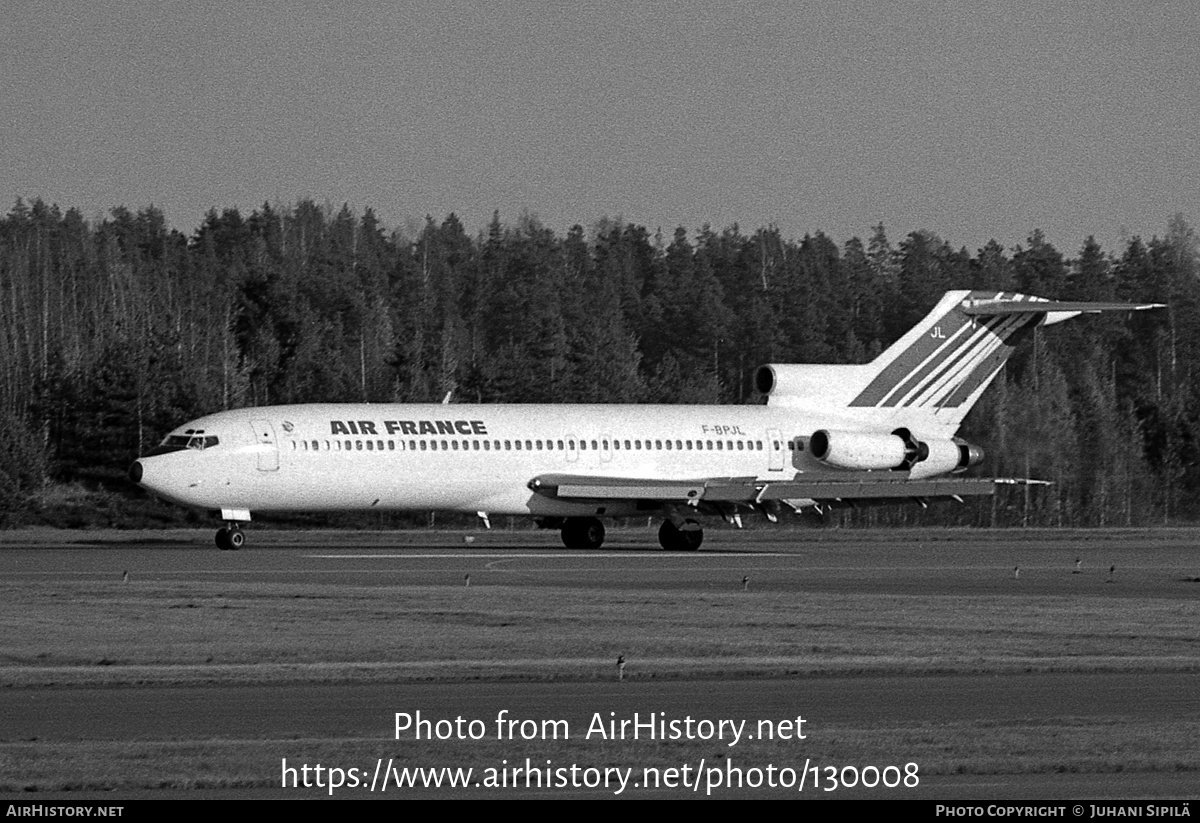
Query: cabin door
x,y
775,450
268,452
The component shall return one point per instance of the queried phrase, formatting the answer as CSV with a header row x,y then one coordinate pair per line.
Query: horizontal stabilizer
x,y
996,308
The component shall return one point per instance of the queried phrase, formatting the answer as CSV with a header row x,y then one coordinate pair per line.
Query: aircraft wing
x,y
752,491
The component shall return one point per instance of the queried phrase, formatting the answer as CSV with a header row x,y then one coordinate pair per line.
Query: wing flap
x,y
853,489
641,490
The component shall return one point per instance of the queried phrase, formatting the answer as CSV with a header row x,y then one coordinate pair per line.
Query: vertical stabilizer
x,y
944,363
935,373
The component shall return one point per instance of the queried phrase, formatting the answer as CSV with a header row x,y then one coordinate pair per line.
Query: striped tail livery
x,y
932,376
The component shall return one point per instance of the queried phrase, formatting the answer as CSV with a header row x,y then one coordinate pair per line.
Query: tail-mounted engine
x,y
899,451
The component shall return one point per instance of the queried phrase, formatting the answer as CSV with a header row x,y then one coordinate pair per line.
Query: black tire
x,y
668,536
237,539
223,541
583,533
592,533
676,539
692,535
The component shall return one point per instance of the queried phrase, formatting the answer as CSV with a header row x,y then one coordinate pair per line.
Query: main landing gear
x,y
230,538
683,538
582,533
588,533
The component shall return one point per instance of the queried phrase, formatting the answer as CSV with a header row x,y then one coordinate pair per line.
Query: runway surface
x,y
866,720
1113,563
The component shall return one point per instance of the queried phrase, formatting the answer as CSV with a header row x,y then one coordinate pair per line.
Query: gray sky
x,y
971,120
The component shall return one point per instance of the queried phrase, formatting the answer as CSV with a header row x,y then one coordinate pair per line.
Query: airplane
x,y
828,436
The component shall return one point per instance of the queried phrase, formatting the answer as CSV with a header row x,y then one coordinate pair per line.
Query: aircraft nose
x,y
135,471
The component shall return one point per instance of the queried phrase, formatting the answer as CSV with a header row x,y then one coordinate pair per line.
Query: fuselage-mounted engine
x,y
898,451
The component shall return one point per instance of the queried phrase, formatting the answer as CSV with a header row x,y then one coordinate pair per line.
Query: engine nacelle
x,y
819,384
857,450
898,450
936,457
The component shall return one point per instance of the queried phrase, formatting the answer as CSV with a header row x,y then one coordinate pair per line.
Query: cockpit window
x,y
197,441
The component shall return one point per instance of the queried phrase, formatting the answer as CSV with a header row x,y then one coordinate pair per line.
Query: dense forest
x,y
116,330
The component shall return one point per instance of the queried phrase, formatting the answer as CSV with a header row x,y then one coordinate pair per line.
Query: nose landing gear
x,y
231,538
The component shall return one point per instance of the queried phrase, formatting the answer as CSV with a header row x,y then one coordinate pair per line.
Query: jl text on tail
x,y
829,435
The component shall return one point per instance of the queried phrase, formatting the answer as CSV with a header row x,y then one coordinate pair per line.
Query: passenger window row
x,y
526,445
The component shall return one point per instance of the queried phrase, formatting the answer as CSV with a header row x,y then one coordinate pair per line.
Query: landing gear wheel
x,y
230,539
685,538
583,533
693,534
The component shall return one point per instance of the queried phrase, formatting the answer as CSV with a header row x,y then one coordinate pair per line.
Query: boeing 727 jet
x,y
829,435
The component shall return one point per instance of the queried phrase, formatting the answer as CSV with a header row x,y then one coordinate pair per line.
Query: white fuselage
x,y
468,458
